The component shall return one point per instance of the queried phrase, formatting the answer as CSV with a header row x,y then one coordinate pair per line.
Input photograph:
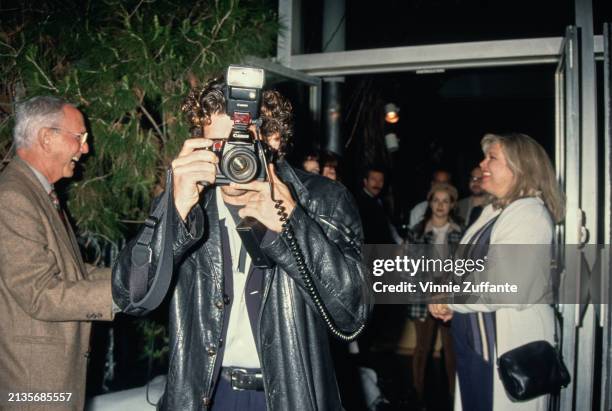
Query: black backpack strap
x,y
142,256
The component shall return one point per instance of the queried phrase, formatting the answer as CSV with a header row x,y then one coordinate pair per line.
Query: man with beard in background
x,y
377,228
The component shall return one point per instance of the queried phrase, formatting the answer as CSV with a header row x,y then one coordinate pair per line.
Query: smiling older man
x,y
48,296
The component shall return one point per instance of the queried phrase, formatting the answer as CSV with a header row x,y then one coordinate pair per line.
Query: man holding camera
x,y
249,325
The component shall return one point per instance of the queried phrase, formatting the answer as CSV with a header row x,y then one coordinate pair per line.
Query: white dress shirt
x,y
240,348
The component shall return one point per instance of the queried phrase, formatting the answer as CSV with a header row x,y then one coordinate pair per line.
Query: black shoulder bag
x,y
533,369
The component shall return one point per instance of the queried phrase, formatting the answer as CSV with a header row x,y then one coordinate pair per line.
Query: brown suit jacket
x,y
48,296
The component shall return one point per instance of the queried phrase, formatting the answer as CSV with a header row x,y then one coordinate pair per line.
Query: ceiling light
x,y
391,113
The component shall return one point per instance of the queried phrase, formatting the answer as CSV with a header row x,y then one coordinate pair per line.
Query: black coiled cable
x,y
287,232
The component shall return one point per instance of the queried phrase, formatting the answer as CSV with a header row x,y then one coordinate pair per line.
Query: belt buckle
x,y
234,378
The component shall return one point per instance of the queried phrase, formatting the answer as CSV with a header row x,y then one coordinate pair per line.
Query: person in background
x,y
418,211
469,208
310,163
329,166
440,229
377,227
49,296
527,202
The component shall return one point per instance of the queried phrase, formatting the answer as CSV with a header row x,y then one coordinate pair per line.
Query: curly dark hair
x,y
276,111
277,117
202,102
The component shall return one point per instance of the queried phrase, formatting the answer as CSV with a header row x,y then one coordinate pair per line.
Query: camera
x,y
242,157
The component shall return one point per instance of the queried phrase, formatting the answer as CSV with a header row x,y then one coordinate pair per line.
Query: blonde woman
x,y
526,203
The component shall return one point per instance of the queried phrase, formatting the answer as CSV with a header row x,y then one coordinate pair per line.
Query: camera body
x,y
242,158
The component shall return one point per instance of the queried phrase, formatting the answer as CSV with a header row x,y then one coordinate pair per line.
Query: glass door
x,y
606,289
567,85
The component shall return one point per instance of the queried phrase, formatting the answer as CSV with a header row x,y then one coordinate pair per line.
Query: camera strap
x,y
142,256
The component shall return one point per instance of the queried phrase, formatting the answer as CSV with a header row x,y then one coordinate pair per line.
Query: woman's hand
x,y
441,311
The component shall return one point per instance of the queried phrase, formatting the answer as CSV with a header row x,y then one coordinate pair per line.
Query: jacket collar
x,y
24,168
66,235
286,173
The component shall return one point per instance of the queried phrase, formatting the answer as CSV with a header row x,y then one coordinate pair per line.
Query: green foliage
x,y
156,341
128,65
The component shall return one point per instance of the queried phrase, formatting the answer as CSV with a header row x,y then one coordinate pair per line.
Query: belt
x,y
242,379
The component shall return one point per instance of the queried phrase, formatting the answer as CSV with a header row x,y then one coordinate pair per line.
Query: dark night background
x,y
444,115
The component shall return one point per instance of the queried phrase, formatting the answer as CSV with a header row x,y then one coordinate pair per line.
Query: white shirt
x,y
440,233
240,348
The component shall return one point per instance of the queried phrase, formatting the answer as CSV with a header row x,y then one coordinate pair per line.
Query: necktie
x,y
55,200
58,207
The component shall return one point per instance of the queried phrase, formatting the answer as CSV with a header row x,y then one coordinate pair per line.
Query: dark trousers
x,y
228,399
425,337
474,373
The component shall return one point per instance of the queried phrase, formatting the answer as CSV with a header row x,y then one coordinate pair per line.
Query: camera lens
x,y
240,165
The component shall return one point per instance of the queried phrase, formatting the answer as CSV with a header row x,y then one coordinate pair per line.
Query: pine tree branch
x,y
9,155
91,180
40,70
219,24
153,123
135,9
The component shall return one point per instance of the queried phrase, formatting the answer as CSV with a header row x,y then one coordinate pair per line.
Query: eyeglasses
x,y
80,137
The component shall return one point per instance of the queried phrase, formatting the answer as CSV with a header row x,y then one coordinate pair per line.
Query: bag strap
x,y
557,321
485,234
556,271
142,256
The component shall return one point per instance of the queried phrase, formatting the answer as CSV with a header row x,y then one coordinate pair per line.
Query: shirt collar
x,y
43,180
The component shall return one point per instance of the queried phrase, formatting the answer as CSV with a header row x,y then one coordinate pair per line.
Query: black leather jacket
x,y
293,339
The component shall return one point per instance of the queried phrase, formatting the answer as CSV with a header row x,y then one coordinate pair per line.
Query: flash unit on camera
x,y
240,76
242,94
